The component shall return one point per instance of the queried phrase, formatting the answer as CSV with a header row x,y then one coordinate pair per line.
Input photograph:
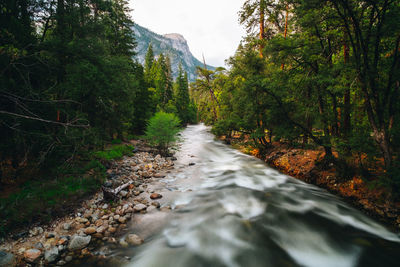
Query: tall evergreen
x,y
148,65
182,99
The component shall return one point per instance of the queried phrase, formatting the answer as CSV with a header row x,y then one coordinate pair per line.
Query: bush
x,y
115,152
161,130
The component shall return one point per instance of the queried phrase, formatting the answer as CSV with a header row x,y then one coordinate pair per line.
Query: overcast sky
x,y
210,26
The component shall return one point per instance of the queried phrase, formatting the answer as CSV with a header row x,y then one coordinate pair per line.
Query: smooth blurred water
x,y
239,212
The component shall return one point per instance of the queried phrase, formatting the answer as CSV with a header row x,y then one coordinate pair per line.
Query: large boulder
x,y
79,242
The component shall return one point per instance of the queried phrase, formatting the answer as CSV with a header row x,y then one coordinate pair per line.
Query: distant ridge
x,y
173,44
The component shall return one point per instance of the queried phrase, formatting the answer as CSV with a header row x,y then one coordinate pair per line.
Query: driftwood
x,y
112,194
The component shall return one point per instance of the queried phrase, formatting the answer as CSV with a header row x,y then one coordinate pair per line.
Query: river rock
x,y
123,243
39,245
122,220
139,207
79,242
101,229
81,220
32,255
90,230
7,259
112,229
36,231
133,240
123,193
67,226
99,223
155,196
51,255
159,175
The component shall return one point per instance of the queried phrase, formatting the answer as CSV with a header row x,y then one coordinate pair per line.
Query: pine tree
x,y
182,100
148,65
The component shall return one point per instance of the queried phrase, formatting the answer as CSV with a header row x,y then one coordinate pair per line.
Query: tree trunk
x,y
347,104
381,137
262,26
286,26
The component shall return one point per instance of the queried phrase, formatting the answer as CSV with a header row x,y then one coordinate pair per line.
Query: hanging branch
x,y
65,124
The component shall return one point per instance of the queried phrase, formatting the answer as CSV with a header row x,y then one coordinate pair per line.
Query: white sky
x,y
210,26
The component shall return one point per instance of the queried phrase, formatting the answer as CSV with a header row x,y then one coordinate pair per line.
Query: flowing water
x,y
230,209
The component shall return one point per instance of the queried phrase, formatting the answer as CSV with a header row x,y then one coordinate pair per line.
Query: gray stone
x,y
51,255
39,245
123,193
36,231
67,226
68,258
79,242
139,207
105,206
7,259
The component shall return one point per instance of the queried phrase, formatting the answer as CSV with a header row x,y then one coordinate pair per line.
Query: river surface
x,y
230,209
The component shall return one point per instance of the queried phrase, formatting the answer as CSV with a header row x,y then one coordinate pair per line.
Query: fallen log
x,y
112,194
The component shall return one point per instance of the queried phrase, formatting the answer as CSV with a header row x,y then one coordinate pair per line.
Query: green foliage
x,y
162,129
39,199
114,152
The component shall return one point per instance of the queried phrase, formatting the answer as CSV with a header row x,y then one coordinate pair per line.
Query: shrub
x,y
115,152
161,130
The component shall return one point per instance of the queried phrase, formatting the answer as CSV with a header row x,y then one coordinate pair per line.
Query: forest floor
x,y
302,164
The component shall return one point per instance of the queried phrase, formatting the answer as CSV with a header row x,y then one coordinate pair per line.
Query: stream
x,y
230,209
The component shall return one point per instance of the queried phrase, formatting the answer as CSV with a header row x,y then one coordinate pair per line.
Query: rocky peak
x,y
176,37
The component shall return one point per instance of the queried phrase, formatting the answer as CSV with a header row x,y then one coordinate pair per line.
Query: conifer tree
x,y
148,65
182,100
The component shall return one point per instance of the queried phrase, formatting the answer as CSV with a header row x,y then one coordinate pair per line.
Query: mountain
x,y
174,45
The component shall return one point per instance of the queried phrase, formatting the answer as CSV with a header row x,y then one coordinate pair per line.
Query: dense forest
x,y
69,80
314,74
70,85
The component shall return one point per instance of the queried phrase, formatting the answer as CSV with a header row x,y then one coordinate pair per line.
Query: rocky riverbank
x,y
97,223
